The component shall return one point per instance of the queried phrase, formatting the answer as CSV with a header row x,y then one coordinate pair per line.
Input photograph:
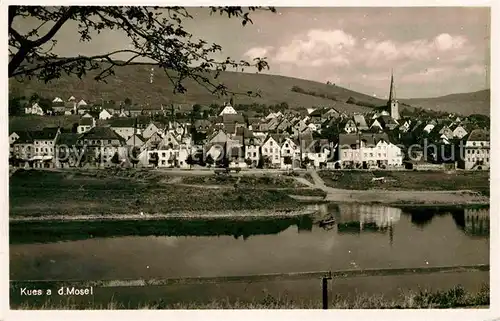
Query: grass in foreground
x,y
409,180
456,297
38,193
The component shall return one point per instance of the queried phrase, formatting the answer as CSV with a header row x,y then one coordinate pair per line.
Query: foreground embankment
x,y
456,297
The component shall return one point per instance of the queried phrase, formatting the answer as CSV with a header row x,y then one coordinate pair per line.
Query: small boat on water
x,y
327,222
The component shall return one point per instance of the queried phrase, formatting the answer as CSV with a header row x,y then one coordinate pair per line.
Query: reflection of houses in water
x,y
477,221
352,218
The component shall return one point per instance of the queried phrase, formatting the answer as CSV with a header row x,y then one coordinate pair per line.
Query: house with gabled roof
x,y
348,125
388,122
476,154
271,150
136,140
123,126
100,144
290,153
459,131
23,146
360,122
105,114
228,110
85,124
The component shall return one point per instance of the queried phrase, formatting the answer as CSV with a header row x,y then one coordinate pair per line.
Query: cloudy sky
x,y
433,51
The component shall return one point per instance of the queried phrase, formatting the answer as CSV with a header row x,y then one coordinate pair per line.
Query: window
x,y
270,143
468,151
487,160
163,162
109,141
379,155
286,145
36,149
473,143
345,154
249,154
277,150
265,150
287,151
371,154
162,154
254,154
275,156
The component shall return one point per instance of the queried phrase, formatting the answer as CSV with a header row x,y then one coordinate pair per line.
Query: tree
x,y
156,34
248,161
209,160
15,106
115,159
154,159
190,161
135,152
127,102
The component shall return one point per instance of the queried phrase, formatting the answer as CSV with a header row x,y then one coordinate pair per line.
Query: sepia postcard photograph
x,y
223,157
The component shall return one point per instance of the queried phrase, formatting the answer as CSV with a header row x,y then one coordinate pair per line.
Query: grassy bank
x,y
260,182
38,193
409,180
456,297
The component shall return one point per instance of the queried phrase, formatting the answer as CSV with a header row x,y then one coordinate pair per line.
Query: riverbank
x,y
455,297
115,193
401,189
72,194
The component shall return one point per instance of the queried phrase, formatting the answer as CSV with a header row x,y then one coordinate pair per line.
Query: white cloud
x,y
444,42
475,69
258,52
317,48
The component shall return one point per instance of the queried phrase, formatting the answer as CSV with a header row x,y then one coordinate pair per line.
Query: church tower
x,y
392,103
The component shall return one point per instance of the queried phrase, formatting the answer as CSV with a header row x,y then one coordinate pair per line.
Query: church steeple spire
x,y
392,94
392,103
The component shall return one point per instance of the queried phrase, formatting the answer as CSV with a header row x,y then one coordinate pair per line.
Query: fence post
x,y
324,288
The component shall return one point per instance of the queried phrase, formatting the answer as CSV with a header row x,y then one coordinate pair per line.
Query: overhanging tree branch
x,y
155,33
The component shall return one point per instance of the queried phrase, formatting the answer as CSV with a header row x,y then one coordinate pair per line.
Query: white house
x,y
429,127
291,149
150,130
35,109
104,114
85,124
272,150
459,132
228,110
477,150
57,100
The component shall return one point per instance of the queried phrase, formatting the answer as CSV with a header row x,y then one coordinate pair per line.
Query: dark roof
x,y
122,122
479,135
354,139
386,120
24,137
68,139
86,121
46,133
243,131
102,133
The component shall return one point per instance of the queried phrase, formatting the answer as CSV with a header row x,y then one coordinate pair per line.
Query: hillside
x,y
133,82
466,103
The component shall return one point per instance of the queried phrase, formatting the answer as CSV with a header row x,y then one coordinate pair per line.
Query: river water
x,y
361,237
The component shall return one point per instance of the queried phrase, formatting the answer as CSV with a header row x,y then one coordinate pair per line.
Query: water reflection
x,y
46,232
341,218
